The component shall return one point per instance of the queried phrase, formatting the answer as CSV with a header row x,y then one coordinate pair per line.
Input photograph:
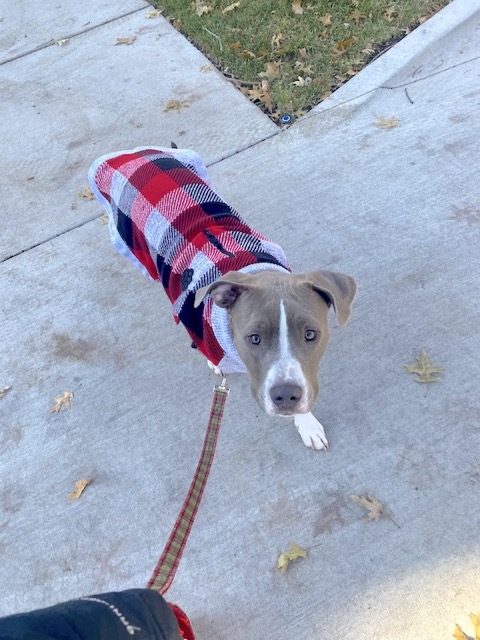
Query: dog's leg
x,y
214,368
311,431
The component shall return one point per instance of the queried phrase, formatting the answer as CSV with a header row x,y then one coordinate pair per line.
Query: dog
x,y
230,286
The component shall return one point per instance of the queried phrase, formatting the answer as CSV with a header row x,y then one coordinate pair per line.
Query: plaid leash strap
x,y
166,568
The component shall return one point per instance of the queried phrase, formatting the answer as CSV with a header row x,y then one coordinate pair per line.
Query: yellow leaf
x,y
86,194
292,554
326,19
206,68
4,391
155,13
424,370
297,8
231,7
79,488
126,40
458,633
62,41
235,45
303,54
272,71
104,218
175,105
476,624
63,401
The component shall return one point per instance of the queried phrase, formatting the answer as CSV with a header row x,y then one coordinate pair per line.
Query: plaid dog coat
x,y
165,218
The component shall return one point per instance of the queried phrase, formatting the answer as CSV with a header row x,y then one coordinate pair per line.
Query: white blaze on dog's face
x,y
279,325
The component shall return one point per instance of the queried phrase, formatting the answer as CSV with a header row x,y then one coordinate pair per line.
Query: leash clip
x,y
222,387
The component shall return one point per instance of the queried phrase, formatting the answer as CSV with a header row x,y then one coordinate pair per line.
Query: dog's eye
x,y
255,338
310,335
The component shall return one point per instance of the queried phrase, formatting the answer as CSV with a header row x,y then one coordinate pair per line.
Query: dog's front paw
x,y
311,431
214,368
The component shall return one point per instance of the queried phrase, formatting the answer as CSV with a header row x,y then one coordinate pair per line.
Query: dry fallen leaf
x,y
155,13
303,53
79,488
247,55
231,7
301,67
343,45
261,93
63,401
326,19
272,71
62,41
424,370
104,218
175,105
206,68
386,123
374,508
201,8
4,391
86,194
297,8
276,39
356,16
388,16
126,40
302,82
292,554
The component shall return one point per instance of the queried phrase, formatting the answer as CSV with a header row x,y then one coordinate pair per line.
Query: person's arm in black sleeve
x,y
134,614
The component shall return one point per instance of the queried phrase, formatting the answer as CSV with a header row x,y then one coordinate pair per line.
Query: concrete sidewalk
x,y
397,208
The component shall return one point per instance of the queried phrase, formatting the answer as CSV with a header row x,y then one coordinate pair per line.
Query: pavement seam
x,y
45,240
52,42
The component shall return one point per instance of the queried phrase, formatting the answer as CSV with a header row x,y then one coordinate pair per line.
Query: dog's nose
x,y
286,395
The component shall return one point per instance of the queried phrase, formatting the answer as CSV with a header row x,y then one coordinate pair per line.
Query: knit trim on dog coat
x,y
167,220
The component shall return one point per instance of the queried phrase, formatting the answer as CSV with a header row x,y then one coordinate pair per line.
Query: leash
x,y
166,568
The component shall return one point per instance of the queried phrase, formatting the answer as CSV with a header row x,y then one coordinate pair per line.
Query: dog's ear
x,y
225,290
338,288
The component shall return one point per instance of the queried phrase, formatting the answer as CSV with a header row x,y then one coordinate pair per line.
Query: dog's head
x,y
279,325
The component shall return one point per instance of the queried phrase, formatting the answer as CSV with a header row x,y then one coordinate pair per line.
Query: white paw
x,y
311,431
214,368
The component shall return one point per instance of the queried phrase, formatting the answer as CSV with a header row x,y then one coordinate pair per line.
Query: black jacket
x,y
134,614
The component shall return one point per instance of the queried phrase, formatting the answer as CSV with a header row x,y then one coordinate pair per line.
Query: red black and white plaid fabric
x,y
166,218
